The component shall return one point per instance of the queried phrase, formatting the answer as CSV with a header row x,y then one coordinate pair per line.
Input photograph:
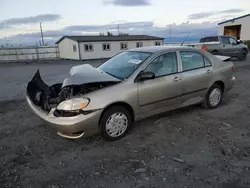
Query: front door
x,y
235,46
230,46
164,91
196,76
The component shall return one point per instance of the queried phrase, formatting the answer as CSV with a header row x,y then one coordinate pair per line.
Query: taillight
x,y
204,47
233,68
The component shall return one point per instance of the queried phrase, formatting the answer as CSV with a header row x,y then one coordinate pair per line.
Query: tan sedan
x,y
130,86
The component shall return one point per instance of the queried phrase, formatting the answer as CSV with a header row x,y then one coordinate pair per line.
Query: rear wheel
x,y
213,97
243,55
115,123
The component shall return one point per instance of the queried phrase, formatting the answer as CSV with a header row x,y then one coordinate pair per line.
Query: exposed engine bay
x,y
47,97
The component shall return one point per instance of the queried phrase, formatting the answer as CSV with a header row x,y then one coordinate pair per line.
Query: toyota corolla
x,y
130,86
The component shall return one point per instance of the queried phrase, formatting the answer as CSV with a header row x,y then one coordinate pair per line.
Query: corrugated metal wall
x,y
28,54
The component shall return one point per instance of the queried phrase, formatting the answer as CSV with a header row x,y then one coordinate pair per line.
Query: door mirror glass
x,y
146,76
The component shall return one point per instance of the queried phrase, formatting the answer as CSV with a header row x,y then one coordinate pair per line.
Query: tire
x,y
207,102
119,113
243,55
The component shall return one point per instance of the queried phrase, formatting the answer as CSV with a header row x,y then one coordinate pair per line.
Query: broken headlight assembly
x,y
74,104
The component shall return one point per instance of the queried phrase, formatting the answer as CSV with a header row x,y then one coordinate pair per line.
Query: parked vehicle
x,y
130,86
223,45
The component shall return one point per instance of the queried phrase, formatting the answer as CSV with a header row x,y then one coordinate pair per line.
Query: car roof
x,y
154,49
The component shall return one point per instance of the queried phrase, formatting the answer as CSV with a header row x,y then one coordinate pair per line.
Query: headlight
x,y
73,104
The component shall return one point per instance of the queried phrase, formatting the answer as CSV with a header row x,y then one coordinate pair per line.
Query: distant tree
x,y
109,33
2,46
102,34
46,44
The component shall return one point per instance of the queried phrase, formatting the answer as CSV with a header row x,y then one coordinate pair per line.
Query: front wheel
x,y
243,55
115,123
213,97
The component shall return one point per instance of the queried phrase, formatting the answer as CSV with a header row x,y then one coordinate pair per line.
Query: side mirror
x,y
235,43
146,76
239,41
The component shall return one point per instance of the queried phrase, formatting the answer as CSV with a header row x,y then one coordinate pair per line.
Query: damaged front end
x,y
47,97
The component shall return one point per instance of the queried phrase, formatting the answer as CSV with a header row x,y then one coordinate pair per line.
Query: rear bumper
x,y
68,125
229,84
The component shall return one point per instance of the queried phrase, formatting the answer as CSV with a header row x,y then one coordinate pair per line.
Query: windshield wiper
x,y
115,76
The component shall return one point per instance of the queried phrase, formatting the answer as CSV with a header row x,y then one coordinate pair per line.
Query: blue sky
x,y
19,19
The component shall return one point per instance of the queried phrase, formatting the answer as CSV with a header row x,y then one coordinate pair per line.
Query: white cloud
x,y
202,15
129,3
4,24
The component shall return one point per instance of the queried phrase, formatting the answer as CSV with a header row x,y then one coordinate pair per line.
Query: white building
x,y
238,27
96,47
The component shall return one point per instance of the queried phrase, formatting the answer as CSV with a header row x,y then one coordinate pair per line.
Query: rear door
x,y
197,73
164,91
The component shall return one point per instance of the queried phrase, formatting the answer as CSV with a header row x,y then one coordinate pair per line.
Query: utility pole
x,y
41,33
170,32
118,29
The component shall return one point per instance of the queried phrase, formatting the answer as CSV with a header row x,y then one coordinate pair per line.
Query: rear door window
x,y
193,60
209,39
225,40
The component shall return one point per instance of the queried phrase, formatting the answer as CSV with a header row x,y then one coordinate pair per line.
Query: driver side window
x,y
163,65
232,41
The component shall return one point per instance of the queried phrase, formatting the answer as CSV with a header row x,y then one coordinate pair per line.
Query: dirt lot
x,y
212,146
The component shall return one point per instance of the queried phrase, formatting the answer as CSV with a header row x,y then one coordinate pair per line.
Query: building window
x,y
88,47
139,44
105,47
157,43
74,48
124,46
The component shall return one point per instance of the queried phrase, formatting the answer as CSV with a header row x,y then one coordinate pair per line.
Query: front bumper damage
x,y
85,125
43,101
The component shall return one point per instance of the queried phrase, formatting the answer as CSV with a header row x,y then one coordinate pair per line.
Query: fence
x,y
28,54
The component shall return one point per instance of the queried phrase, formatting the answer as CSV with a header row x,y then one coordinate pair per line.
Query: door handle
x,y
177,78
209,71
224,45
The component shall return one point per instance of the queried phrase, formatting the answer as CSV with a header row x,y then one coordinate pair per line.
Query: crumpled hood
x,y
87,74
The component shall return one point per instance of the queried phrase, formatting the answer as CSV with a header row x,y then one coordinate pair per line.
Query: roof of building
x,y
84,38
234,19
153,49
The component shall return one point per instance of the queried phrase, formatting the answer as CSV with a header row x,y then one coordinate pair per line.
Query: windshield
x,y
124,64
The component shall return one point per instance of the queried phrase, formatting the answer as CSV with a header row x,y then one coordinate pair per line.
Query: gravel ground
x,y
188,148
